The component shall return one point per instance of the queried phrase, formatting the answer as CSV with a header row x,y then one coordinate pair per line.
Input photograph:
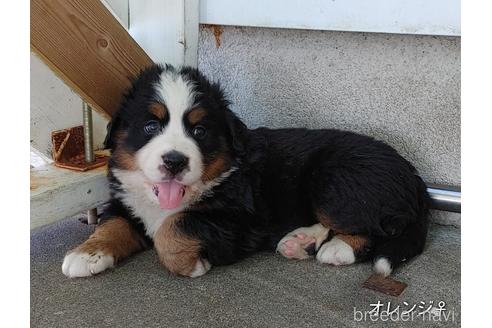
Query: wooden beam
x,y
85,45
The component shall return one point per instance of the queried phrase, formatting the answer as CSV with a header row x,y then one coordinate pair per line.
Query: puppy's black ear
x,y
113,126
238,132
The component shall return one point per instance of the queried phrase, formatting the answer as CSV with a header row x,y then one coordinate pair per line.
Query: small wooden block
x,y
68,150
384,285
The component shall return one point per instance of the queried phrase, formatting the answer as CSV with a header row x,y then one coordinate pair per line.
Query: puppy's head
x,y
175,131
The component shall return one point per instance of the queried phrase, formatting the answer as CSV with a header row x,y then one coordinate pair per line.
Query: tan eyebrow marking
x,y
158,110
196,115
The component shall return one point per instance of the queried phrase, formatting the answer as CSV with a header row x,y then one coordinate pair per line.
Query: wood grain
x,y
86,46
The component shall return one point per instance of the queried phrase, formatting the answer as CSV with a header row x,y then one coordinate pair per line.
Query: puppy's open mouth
x,y
170,193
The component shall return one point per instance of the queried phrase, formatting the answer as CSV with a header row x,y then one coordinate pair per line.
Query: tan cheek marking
x,y
158,110
114,237
196,115
357,242
125,159
215,168
177,252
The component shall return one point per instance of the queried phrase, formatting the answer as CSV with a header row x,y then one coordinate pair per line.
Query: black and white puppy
x,y
188,177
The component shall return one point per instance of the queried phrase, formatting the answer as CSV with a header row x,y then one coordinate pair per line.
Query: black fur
x,y
284,178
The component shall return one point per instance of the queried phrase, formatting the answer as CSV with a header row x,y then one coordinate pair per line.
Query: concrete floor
x,y
263,291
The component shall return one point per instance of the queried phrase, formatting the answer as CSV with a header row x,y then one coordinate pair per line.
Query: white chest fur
x,y
137,195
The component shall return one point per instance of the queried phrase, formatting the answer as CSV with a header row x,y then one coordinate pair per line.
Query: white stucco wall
x,y
403,89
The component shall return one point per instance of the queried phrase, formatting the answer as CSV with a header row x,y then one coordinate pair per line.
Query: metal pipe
x,y
88,139
445,198
92,216
88,150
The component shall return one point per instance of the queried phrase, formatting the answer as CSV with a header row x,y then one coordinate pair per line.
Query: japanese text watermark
x,y
423,311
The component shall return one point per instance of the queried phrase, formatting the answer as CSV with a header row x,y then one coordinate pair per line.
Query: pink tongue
x,y
170,194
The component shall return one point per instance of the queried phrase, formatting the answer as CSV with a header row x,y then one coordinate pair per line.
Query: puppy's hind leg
x,y
303,242
345,249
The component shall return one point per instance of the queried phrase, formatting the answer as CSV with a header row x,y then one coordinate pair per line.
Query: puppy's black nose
x,y
174,162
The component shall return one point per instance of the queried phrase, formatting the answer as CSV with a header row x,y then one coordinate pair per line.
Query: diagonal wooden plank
x,y
85,45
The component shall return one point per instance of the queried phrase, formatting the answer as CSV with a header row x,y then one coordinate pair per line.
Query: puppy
x,y
190,179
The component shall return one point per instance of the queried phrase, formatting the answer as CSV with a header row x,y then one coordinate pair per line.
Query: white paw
x,y
201,267
78,264
336,252
296,247
296,243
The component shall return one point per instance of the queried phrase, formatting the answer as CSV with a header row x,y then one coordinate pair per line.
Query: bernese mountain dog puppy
x,y
190,179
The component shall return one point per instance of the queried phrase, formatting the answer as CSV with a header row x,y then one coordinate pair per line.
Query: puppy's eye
x,y
199,132
152,127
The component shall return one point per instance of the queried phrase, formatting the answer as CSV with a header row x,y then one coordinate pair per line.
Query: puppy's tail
x,y
410,242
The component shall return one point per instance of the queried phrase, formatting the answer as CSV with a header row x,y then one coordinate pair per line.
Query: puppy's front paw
x,y
82,264
201,267
178,252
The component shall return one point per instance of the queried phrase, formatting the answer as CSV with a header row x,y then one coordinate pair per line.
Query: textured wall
x,y
403,89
